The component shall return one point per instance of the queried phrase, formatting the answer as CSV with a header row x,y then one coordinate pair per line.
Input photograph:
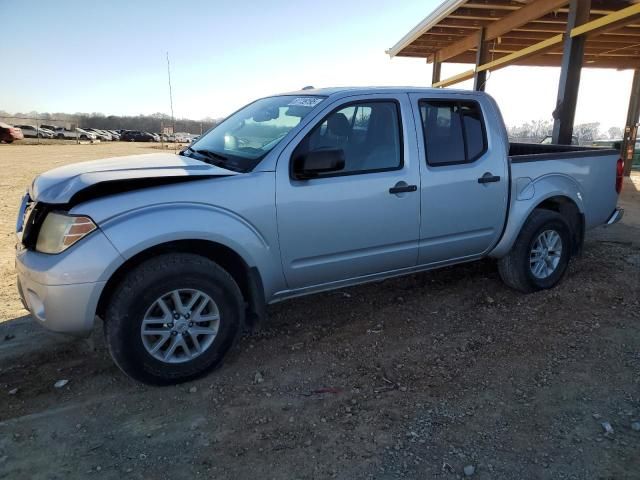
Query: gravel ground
x,y
443,374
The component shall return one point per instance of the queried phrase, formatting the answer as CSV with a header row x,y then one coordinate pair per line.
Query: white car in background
x,y
29,131
182,137
115,135
49,133
74,134
101,134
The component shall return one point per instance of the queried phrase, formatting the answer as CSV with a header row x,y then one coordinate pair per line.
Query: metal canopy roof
x,y
451,32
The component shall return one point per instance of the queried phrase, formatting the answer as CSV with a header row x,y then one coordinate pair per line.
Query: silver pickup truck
x,y
291,195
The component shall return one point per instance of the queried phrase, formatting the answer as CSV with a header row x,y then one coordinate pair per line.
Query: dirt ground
x,y
416,377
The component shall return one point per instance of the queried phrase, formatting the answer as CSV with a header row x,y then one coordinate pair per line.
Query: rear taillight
x,y
619,174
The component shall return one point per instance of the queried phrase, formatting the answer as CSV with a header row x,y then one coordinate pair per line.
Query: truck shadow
x,y
22,336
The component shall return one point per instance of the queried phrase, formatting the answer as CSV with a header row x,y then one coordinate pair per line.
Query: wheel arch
x,y
568,208
248,278
568,204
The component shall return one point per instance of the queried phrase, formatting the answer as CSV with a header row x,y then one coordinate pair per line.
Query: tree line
x,y
532,131
536,130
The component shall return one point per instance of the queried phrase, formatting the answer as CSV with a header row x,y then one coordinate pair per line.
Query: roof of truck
x,y
391,89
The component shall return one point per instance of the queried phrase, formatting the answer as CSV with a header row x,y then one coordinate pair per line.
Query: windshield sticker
x,y
305,102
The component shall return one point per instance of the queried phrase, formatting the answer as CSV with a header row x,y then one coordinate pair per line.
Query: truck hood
x,y
76,182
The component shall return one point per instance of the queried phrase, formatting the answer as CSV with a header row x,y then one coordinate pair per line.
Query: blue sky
x,y
79,56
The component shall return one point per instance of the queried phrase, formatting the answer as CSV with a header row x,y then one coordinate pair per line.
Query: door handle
x,y
489,178
402,187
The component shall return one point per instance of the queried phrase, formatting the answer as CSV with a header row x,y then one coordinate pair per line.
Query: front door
x,y
363,219
464,178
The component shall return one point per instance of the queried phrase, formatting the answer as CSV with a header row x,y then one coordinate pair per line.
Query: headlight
x,y
60,231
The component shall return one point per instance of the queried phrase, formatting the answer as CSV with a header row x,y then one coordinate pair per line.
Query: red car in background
x,y
9,134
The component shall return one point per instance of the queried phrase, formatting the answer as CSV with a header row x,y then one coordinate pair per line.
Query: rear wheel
x,y
173,318
540,255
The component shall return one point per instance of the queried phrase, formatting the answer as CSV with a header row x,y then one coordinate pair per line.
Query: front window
x,y
368,133
244,138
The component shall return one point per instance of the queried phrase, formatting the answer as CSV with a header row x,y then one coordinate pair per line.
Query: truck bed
x,y
529,152
589,172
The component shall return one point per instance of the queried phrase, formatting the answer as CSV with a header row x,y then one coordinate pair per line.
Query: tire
x,y
517,267
138,293
60,136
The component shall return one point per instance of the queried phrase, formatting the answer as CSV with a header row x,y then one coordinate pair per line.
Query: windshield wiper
x,y
210,154
215,158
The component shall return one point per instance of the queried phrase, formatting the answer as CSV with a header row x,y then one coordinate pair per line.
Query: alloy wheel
x,y
180,325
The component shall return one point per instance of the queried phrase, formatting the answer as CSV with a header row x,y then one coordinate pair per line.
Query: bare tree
x,y
615,133
533,131
587,132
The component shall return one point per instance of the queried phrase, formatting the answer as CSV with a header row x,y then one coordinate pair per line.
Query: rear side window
x,y
453,131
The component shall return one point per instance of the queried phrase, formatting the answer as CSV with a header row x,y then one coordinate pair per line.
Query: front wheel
x,y
173,318
540,255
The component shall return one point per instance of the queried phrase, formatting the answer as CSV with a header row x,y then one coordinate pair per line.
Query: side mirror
x,y
317,162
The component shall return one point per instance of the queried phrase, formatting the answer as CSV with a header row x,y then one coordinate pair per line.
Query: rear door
x,y
362,220
464,178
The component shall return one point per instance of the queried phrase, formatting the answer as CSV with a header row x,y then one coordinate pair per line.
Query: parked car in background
x,y
74,134
29,131
85,135
137,136
128,135
51,128
9,134
106,133
182,137
65,134
49,133
114,134
348,185
100,134
156,137
636,155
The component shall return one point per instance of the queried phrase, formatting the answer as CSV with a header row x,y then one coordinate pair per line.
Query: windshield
x,y
244,138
